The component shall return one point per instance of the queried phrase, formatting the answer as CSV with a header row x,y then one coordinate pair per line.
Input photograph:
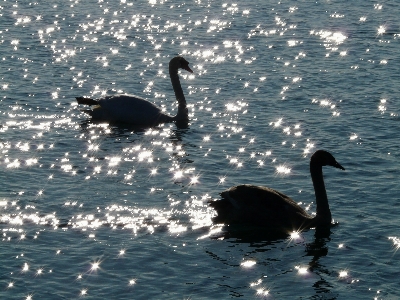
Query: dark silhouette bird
x,y
266,207
138,111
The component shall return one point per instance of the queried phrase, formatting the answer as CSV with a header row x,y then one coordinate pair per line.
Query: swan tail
x,y
219,204
87,111
225,211
87,101
219,207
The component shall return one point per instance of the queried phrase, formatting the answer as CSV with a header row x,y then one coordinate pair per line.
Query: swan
x,y
266,207
138,111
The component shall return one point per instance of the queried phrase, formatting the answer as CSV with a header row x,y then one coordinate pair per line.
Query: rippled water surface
x,y
99,211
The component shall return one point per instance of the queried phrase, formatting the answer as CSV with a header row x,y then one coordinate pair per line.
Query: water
x,y
98,211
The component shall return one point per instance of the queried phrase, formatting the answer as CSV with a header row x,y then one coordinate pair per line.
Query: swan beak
x,y
339,166
187,69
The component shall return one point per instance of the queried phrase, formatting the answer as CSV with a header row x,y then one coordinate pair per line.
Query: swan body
x,y
138,111
266,207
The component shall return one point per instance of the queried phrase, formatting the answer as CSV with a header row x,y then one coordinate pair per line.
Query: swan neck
x,y
176,85
320,192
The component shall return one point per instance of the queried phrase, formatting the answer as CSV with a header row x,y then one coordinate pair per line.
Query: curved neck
x,y
323,211
176,85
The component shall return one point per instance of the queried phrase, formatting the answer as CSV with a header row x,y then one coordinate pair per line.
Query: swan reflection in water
x,y
138,111
265,207
262,247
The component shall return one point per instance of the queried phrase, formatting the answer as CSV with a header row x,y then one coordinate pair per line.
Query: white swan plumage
x,y
266,207
138,111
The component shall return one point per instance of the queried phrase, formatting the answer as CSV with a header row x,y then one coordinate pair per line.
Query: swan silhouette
x,y
266,207
138,111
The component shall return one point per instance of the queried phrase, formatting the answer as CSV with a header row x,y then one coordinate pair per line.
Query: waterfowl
x,y
136,110
266,207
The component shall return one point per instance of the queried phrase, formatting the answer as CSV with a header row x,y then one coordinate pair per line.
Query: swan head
x,y
324,158
179,62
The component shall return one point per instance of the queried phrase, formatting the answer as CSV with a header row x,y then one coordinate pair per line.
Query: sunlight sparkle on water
x,y
262,292
215,230
343,274
132,281
330,37
178,174
176,228
396,242
308,148
282,169
295,235
381,30
114,161
145,155
15,164
25,268
248,263
301,270
95,266
255,283
382,105
194,180
353,136
277,123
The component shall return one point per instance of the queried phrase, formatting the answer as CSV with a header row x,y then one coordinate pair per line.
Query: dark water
x,y
102,211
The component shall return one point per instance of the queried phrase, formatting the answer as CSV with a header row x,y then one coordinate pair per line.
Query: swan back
x,y
259,206
128,109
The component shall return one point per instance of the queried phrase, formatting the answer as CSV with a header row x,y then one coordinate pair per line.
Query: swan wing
x,y
129,109
259,206
263,197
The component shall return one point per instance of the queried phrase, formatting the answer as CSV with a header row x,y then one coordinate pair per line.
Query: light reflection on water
x,y
272,84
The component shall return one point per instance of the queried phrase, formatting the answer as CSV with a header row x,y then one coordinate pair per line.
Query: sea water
x,y
105,211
